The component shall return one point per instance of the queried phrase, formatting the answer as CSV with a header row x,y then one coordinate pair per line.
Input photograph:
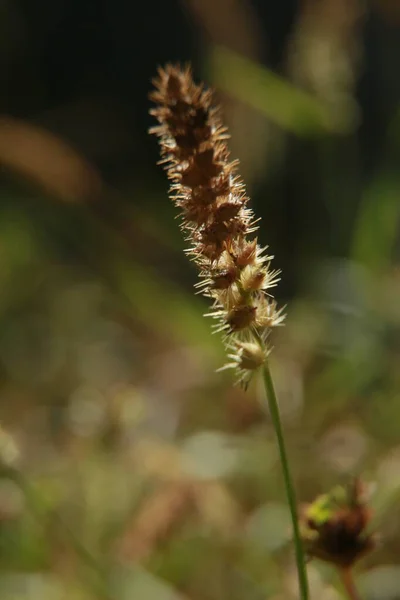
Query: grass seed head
x,y
208,191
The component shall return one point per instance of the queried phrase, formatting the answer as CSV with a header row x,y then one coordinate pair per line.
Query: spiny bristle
x,y
211,198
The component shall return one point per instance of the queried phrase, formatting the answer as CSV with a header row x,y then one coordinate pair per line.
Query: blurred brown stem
x,y
348,583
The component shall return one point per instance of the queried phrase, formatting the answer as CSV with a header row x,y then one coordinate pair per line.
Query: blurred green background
x,y
130,469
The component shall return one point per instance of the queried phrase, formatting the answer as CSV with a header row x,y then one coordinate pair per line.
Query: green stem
x,y
291,496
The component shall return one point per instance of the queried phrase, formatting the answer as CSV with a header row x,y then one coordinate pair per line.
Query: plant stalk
x,y
290,493
348,584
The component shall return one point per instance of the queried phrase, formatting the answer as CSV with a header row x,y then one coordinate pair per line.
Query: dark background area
x,y
82,70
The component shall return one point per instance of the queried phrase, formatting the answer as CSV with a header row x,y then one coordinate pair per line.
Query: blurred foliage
x,y
129,467
290,107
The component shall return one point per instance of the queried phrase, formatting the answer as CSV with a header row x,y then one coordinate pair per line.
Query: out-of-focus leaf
x,y
138,583
48,161
40,586
290,107
269,527
209,455
21,257
380,583
377,225
157,302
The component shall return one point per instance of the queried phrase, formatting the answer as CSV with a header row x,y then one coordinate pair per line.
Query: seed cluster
x,y
335,526
235,273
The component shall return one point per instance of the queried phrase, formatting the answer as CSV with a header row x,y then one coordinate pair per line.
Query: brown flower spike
x,y
235,273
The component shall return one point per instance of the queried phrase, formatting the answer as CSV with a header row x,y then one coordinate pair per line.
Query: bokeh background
x,y
130,468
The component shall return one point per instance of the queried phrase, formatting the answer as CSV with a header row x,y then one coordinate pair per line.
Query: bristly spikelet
x,y
213,204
